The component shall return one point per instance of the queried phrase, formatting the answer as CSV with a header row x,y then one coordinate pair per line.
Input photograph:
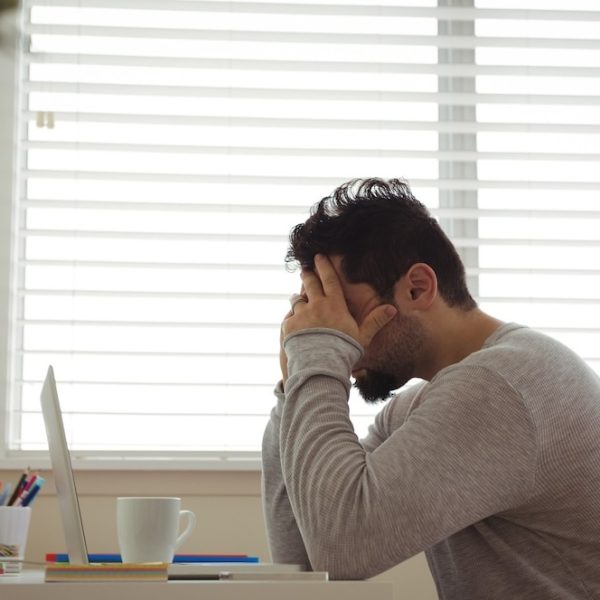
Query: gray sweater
x,y
492,468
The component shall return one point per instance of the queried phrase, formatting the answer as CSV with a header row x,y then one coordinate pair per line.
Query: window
x,y
167,148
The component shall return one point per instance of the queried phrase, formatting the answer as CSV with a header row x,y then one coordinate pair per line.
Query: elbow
x,y
347,560
356,547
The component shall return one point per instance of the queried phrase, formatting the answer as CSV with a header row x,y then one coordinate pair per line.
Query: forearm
x,y
285,542
309,424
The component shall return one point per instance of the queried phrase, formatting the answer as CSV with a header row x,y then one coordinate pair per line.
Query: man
x,y
491,465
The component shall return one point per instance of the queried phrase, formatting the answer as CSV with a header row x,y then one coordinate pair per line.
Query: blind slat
x,y
460,242
151,265
87,264
301,210
149,324
117,353
151,235
330,38
287,66
332,152
148,294
112,204
350,124
448,184
57,87
377,10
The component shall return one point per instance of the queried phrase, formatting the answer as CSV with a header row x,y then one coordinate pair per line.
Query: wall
x,y
227,505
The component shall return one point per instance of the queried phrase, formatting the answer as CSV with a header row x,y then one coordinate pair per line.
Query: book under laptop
x,y
73,524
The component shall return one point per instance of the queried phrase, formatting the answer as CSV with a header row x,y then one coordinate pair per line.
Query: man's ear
x,y
418,288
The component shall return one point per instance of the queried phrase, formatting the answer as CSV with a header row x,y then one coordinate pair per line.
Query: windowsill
x,y
113,483
235,463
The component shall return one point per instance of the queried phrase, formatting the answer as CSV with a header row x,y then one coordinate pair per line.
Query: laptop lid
x,y
63,472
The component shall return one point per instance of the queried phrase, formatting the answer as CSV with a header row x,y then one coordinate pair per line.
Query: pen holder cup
x,y
14,526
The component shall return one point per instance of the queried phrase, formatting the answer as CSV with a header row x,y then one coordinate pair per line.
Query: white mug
x,y
147,528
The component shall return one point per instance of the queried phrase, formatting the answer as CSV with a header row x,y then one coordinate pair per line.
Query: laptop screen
x,y
63,473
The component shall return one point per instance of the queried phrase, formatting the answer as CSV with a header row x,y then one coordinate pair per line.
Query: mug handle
x,y
191,523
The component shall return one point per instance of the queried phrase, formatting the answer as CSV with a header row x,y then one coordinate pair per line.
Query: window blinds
x,y
169,146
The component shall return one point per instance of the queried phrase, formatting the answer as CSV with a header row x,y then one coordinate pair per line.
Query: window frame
x,y
9,106
451,198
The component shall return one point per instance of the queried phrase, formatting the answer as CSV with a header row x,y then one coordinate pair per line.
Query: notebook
x,y
71,514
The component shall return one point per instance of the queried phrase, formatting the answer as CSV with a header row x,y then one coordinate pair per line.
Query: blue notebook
x,y
179,558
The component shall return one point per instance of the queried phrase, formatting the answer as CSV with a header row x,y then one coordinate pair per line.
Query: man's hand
x,y
325,306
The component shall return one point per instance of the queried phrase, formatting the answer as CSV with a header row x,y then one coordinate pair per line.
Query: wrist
x,y
321,349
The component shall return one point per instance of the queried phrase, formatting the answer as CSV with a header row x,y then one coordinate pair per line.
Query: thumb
x,y
376,320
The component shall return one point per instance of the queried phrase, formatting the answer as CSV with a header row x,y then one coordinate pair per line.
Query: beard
x,y
391,358
376,386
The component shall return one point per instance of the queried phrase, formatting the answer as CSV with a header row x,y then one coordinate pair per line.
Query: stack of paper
x,y
10,566
106,572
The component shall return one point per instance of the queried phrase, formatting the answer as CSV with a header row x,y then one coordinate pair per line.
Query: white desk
x,y
30,585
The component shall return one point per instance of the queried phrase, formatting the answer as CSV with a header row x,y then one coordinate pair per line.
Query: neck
x,y
453,335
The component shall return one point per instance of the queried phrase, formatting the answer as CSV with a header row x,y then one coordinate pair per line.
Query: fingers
x,y
378,318
330,281
295,299
323,281
311,284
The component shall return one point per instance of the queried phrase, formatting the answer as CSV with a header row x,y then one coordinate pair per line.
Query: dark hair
x,y
380,230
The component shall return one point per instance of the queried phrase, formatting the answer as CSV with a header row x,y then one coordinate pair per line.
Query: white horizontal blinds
x,y
538,165
170,147
181,140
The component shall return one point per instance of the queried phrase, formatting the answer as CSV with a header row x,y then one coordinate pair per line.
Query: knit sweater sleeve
x,y
285,541
284,538
466,451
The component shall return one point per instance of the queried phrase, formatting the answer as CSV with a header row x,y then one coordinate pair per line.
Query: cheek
x,y
382,343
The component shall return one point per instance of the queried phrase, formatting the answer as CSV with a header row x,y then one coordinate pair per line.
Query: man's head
x,y
380,230
377,234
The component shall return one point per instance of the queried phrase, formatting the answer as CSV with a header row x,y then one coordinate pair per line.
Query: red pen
x,y
25,490
30,482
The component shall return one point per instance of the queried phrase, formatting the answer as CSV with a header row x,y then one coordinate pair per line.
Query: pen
x,y
278,576
18,487
24,490
28,491
5,494
31,495
30,482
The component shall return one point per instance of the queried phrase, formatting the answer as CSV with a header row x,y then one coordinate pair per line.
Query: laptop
x,y
68,500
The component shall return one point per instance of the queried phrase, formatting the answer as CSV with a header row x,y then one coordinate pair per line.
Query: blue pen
x,y
178,558
5,494
32,492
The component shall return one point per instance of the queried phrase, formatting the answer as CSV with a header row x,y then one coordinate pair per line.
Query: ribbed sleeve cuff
x,y
320,352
